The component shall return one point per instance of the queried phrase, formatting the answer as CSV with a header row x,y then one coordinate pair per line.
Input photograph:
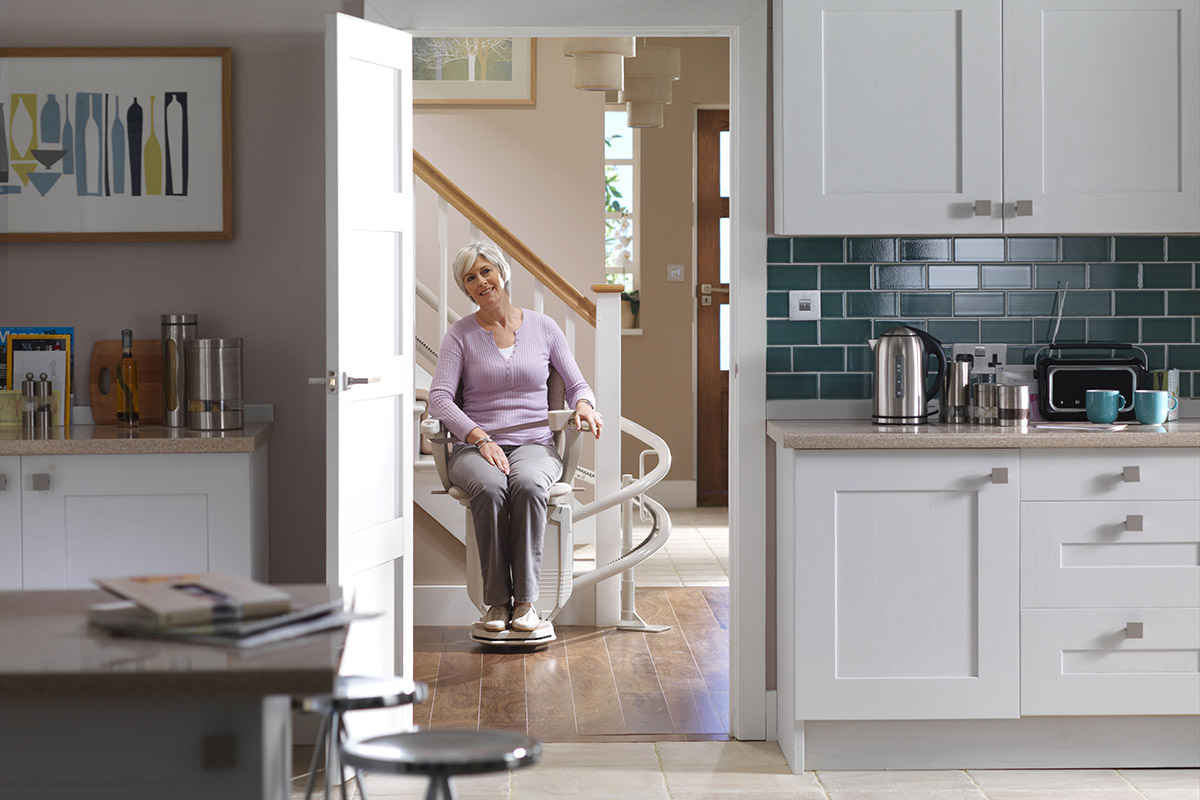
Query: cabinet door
x,y
887,116
907,585
1102,115
10,523
101,516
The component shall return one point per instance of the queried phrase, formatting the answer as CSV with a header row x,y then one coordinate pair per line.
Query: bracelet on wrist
x,y
482,442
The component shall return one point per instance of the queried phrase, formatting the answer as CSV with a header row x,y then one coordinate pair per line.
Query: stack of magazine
x,y
212,609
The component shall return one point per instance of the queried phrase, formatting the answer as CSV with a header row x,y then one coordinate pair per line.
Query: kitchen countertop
x,y
145,439
47,650
861,434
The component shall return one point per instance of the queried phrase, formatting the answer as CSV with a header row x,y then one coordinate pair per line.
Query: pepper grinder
x,y
44,402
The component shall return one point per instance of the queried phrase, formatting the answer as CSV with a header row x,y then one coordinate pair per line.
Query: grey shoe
x,y
496,619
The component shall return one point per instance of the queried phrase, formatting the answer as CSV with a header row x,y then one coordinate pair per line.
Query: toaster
x,y
1063,380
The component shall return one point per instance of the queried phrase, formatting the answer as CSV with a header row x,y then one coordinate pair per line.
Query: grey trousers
x,y
509,512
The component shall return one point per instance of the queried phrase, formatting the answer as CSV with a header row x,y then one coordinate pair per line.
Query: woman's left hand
x,y
585,413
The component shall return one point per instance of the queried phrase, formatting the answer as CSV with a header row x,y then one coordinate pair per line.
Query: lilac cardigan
x,y
499,392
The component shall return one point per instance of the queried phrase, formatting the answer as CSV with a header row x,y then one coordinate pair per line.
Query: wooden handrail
x,y
503,237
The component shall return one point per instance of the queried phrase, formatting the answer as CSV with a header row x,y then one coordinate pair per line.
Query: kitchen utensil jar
x,y
177,330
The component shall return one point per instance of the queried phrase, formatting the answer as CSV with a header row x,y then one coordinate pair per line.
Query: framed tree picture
x,y
474,70
115,144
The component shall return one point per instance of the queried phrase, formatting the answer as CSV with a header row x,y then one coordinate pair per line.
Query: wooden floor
x,y
593,684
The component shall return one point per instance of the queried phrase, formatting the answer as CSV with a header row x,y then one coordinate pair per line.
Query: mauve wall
x,y
268,284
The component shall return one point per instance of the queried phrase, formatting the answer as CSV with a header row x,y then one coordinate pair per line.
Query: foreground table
x,y
87,714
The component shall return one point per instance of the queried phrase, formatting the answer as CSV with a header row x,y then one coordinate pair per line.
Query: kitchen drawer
x,y
1110,554
1086,662
1111,474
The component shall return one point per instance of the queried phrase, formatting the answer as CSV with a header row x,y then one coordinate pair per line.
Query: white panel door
x,y
369,310
1102,115
907,585
10,523
888,116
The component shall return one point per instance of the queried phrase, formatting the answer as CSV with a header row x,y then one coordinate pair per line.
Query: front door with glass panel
x,y
712,313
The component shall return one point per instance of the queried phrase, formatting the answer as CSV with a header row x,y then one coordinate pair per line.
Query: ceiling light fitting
x,y
599,61
648,78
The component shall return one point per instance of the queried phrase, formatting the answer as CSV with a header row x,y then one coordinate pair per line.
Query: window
x,y
620,199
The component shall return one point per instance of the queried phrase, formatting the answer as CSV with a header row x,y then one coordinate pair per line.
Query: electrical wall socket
x,y
988,357
804,304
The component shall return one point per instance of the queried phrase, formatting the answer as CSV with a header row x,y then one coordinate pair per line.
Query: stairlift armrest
x,y
559,420
430,427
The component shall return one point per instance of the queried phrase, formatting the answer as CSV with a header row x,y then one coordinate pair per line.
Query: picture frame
x,y
504,70
116,144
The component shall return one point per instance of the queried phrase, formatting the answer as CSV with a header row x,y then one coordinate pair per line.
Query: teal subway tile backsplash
x,y
1140,289
1140,248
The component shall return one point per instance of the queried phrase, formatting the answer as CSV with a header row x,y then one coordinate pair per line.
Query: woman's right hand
x,y
494,455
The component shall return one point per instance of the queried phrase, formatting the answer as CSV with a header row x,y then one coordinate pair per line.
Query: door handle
x,y
983,208
708,288
1133,522
1000,475
329,382
356,381
40,481
1024,208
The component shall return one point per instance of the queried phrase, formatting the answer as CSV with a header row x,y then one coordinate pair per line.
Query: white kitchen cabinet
x,y
10,522
86,516
1102,115
891,116
906,585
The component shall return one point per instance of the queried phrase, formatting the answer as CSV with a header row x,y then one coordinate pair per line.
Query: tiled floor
x,y
757,771
696,553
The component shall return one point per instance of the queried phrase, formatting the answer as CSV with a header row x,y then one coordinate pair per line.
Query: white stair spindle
x,y
444,272
539,296
570,333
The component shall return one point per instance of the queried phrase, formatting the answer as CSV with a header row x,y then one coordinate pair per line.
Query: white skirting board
x,y
1026,743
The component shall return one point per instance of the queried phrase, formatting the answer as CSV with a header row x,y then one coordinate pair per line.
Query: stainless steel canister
x,y
983,403
1013,406
956,399
214,384
43,402
29,401
177,330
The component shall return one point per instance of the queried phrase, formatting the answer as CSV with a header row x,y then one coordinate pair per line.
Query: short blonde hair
x,y
466,259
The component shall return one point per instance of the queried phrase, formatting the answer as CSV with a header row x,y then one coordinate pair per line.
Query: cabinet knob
x,y
1133,522
3,482
1024,208
983,208
1132,474
1134,630
1000,475
40,481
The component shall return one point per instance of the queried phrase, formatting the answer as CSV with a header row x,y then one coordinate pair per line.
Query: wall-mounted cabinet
x,y
986,117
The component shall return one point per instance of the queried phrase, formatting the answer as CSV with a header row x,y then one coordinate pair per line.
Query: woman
x,y
502,356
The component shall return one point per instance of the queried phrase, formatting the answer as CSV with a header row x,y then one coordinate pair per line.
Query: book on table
x,y
191,599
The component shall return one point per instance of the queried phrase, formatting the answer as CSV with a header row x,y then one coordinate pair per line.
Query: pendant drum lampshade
x,y
599,61
647,89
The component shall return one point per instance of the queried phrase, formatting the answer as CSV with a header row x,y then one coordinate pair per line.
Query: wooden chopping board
x,y
105,355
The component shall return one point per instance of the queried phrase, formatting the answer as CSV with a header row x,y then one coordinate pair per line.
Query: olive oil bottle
x,y
127,383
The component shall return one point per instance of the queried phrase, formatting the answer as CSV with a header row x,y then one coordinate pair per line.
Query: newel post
x,y
608,449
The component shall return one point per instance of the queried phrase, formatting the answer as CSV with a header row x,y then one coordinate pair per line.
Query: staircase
x,y
603,527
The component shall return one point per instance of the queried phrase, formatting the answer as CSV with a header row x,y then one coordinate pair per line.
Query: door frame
x,y
744,22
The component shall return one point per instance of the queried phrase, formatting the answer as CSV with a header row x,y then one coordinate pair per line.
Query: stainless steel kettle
x,y
900,391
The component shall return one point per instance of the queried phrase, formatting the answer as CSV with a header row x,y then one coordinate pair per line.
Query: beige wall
x,y
656,380
267,285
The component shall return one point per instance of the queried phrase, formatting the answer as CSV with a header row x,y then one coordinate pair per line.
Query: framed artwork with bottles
x,y
115,144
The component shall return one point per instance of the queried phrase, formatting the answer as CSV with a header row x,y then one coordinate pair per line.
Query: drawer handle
x,y
3,482
41,481
1000,475
1133,522
1132,474
1134,630
983,208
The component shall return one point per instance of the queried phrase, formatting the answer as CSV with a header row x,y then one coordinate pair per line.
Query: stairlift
x,y
557,576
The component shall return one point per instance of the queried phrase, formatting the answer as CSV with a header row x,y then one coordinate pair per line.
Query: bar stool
x,y
350,693
442,754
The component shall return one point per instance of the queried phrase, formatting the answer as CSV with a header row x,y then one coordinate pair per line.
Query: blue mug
x,y
1152,407
1103,405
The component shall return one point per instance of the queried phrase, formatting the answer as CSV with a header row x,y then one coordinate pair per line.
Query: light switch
x,y
675,273
804,304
